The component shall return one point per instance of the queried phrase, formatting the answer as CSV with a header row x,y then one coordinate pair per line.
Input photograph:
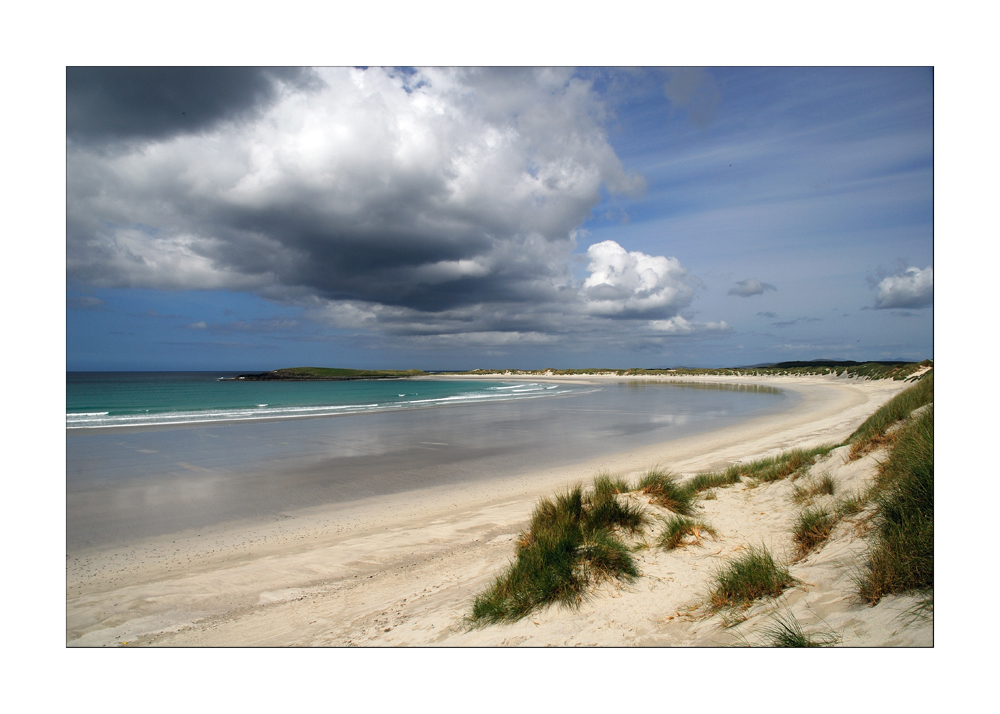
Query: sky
x,y
257,218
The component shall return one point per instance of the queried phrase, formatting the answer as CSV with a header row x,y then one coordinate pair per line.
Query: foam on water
x,y
132,412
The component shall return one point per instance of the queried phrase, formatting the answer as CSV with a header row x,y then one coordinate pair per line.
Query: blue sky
x,y
450,219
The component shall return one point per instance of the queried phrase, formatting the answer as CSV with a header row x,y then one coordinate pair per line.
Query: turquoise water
x,y
110,399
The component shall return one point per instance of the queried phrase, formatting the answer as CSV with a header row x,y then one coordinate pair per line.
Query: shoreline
x,y
237,584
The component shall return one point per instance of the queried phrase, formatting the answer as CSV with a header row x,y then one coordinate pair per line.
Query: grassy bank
x,y
875,431
901,553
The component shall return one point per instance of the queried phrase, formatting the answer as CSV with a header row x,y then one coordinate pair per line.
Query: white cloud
x,y
633,283
913,288
680,326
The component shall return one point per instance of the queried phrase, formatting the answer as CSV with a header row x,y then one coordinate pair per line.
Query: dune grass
x,y
825,485
812,529
713,479
793,463
874,431
750,576
605,484
676,528
571,544
785,631
901,550
664,491
851,505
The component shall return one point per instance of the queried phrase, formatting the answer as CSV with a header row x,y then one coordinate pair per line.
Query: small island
x,y
330,374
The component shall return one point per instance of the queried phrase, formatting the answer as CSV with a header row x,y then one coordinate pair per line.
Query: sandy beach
x,y
402,569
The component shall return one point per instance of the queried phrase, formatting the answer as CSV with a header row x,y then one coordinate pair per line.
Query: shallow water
x,y
124,485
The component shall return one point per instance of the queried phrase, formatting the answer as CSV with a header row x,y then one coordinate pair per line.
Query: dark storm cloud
x,y
419,204
113,103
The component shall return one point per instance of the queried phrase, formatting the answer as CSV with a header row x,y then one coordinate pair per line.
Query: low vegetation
x,y
901,552
785,631
664,491
825,485
606,485
851,505
794,463
572,543
713,479
752,575
875,431
811,529
677,528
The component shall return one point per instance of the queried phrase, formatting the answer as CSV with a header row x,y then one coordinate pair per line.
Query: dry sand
x,y
403,570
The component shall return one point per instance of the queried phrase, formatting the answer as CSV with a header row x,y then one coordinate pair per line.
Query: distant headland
x,y
332,374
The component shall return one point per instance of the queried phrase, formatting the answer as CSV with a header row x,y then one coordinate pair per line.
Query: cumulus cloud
x,y
633,284
913,288
750,286
427,205
680,326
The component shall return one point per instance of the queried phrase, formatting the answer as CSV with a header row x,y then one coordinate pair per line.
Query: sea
x,y
136,399
150,454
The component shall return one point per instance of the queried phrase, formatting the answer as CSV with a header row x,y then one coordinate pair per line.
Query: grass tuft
x,y
851,506
677,528
785,631
571,544
609,512
663,490
901,552
812,529
748,577
823,486
607,485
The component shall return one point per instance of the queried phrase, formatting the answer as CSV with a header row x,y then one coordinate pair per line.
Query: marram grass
x,y
571,543
901,544
677,528
812,529
752,575
874,431
785,631
664,491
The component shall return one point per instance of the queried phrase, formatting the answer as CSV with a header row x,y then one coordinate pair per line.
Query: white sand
x,y
403,570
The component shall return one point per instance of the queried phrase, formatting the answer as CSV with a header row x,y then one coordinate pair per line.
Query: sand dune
x,y
403,570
